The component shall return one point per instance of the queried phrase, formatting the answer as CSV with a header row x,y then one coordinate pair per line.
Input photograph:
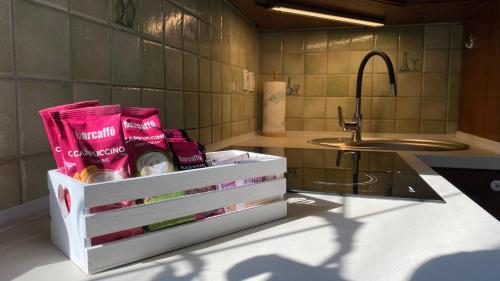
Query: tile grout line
x,y
21,172
164,62
140,36
70,51
198,67
183,66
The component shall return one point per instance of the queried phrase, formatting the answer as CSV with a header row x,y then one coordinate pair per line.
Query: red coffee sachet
x,y
95,144
53,128
145,141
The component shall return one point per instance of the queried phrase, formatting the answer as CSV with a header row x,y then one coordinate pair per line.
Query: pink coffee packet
x,y
145,141
190,155
95,145
53,129
68,162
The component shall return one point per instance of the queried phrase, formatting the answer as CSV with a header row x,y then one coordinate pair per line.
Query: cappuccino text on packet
x,y
145,140
95,144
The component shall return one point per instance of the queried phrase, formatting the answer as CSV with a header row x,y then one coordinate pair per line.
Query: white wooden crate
x,y
71,231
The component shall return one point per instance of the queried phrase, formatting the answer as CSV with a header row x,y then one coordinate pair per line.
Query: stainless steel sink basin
x,y
392,144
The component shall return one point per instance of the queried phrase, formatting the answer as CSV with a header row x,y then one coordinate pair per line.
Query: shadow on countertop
x,y
473,266
275,266
279,268
300,206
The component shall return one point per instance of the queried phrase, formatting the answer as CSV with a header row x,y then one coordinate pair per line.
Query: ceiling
x,y
393,11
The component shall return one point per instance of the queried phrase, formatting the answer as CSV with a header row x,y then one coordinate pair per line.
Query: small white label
x,y
246,80
251,84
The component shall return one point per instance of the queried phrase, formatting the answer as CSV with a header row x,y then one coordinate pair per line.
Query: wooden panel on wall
x,y
480,78
492,130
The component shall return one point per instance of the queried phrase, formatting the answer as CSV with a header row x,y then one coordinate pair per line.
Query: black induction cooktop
x,y
350,173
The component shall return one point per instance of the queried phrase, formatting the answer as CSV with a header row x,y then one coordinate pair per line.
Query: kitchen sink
x,y
392,144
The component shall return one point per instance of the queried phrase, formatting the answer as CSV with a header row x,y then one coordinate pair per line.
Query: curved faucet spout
x,y
355,125
390,70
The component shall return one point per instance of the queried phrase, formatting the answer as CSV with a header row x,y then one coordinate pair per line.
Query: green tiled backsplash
x,y
324,62
183,57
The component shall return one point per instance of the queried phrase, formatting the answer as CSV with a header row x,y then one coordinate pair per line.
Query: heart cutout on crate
x,y
64,199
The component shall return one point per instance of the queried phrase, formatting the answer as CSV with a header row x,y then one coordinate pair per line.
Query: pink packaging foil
x,y
145,141
96,147
68,162
53,129
188,155
115,235
95,143
175,133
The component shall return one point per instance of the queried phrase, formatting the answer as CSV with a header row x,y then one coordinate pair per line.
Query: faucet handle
x,y
341,118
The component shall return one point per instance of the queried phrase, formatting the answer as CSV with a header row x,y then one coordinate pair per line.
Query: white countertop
x,y
324,237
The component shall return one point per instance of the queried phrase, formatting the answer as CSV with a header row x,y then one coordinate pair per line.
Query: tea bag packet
x,y
167,135
226,158
145,140
232,157
190,155
53,127
96,147
168,223
259,202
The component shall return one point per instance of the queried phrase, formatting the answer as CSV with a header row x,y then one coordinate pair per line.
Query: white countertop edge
x,y
461,162
450,193
480,142
25,210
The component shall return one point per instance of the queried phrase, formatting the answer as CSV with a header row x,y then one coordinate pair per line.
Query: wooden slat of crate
x,y
111,192
140,215
125,251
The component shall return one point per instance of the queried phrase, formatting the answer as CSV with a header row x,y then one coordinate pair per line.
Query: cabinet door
x,y
479,83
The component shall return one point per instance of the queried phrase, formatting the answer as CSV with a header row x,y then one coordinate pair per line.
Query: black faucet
x,y
355,125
